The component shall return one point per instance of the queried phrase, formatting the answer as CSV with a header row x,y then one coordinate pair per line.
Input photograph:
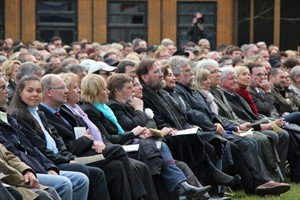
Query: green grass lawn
x,y
292,194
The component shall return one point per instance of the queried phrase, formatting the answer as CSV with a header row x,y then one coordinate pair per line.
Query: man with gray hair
x,y
169,114
295,78
126,178
253,172
269,142
250,50
29,68
77,69
214,55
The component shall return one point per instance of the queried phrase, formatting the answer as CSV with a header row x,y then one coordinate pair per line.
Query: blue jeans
x,y
170,173
69,185
293,118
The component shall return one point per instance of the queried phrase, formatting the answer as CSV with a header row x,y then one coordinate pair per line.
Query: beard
x,y
158,85
191,83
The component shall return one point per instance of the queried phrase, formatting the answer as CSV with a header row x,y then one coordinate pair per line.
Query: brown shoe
x,y
272,188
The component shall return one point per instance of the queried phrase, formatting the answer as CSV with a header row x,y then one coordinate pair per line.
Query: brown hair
x,y
116,82
144,67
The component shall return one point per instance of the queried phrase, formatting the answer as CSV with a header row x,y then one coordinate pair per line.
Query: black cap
x,y
181,53
111,62
152,48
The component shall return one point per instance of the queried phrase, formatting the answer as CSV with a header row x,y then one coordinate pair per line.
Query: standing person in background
x,y
196,29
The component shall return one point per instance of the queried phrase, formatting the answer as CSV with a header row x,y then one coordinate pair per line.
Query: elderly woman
x,y
122,90
239,98
131,112
295,78
10,69
116,163
202,84
170,80
258,173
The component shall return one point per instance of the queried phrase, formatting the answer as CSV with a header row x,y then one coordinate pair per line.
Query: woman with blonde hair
x,y
10,69
202,84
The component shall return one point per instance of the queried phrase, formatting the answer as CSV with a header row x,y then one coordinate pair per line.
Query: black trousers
x,y
9,193
97,186
247,163
126,178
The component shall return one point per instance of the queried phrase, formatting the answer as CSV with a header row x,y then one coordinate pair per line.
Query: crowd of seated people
x,y
131,121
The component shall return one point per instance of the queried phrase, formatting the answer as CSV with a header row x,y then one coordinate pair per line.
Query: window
x,y
243,22
185,12
56,18
264,21
290,25
2,25
126,20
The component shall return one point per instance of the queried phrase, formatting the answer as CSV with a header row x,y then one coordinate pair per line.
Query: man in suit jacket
x,y
261,92
242,109
249,164
116,162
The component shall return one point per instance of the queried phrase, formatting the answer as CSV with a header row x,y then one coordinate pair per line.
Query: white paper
x,y
2,176
249,132
79,131
187,131
135,147
3,116
131,147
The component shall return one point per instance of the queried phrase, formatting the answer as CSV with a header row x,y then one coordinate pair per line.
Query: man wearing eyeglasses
x,y
260,89
271,98
262,93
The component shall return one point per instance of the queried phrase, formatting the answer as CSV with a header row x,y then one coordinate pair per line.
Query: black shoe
x,y
190,191
236,180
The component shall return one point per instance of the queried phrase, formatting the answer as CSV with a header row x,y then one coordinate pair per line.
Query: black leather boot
x,y
190,191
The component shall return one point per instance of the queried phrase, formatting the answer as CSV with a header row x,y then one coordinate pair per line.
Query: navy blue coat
x,y
16,142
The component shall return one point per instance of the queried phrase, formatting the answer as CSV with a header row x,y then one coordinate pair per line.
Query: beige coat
x,y
12,166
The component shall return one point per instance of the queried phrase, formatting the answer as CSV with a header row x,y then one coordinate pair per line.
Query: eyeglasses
x,y
261,75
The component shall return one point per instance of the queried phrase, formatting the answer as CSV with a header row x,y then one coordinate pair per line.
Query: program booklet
x,y
89,159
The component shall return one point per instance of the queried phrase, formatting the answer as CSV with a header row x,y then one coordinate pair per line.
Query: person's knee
x,y
284,136
50,194
97,174
141,167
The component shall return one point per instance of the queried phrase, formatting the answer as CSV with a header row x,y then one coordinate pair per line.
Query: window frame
x,y
58,27
112,26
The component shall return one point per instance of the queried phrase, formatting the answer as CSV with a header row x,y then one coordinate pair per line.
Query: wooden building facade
x,y
226,21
